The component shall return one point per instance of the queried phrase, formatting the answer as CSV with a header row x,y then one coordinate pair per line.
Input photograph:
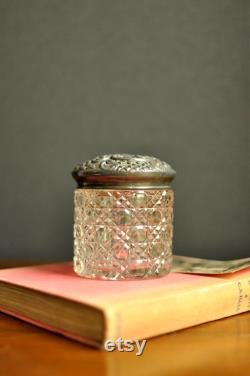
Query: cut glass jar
x,y
123,217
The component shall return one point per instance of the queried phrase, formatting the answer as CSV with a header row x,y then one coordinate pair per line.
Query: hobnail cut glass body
x,y
123,234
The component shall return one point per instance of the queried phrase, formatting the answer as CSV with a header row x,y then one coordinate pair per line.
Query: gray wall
x,y
161,77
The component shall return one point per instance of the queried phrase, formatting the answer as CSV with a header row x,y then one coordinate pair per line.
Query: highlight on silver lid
x,y
123,170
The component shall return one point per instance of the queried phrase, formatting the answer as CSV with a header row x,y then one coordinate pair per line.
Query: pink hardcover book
x,y
53,297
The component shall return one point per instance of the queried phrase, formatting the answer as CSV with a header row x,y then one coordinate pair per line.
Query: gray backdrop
x,y
161,77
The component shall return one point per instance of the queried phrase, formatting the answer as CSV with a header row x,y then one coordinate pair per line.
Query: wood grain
x,y
218,348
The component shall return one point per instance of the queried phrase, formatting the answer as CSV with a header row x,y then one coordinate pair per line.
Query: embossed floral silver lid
x,y
126,171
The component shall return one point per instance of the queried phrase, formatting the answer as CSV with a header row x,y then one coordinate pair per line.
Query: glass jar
x,y
123,217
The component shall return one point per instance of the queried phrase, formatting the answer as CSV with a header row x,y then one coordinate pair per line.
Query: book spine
x,y
151,315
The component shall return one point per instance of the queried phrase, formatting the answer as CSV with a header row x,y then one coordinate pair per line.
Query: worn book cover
x,y
53,297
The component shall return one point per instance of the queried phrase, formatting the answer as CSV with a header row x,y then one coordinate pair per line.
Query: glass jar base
x,y
123,234
133,273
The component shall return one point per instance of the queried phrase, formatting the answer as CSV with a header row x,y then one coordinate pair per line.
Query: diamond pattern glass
x,y
123,234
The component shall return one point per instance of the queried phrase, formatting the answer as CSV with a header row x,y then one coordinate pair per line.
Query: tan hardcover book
x,y
93,311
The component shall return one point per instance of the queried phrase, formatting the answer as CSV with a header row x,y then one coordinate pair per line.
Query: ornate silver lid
x,y
124,171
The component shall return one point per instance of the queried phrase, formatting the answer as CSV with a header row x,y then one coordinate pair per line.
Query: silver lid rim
x,y
123,171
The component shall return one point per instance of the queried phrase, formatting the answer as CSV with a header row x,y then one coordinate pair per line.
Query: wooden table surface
x,y
217,348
